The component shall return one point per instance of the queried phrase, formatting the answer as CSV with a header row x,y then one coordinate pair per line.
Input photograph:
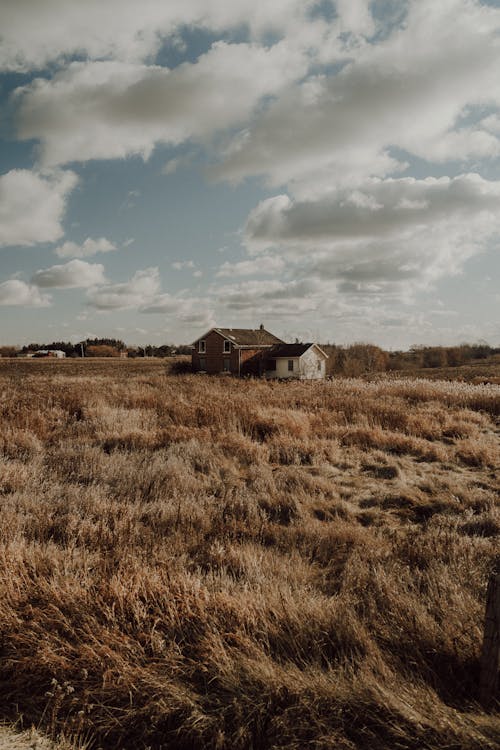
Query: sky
x,y
329,168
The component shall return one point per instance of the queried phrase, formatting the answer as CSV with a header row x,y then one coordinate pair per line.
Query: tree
x,y
114,343
8,351
101,350
362,358
435,356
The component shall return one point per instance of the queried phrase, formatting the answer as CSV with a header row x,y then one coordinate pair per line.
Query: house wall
x,y
304,367
253,361
213,359
309,369
282,370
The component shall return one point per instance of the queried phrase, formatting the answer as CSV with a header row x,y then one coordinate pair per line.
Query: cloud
x,y
143,293
355,17
109,109
17,293
178,265
409,90
139,291
87,248
72,275
35,33
265,264
165,303
271,298
32,205
181,308
377,208
383,237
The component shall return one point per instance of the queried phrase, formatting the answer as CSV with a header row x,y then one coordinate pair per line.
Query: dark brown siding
x,y
252,360
214,355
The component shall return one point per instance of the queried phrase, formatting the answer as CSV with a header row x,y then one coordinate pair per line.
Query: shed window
x,y
290,365
319,365
203,363
227,347
202,346
227,364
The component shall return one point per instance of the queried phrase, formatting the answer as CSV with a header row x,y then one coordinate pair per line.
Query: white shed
x,y
302,361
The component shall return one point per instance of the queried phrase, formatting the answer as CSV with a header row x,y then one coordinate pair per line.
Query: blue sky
x,y
331,169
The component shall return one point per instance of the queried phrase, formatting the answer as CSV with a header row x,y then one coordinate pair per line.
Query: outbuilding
x,y
301,361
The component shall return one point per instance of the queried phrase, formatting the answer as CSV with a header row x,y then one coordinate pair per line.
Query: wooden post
x,y
490,656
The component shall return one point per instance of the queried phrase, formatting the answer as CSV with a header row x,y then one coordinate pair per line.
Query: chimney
x,y
261,326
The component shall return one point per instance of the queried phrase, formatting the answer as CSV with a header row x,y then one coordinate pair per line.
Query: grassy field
x,y
194,562
483,371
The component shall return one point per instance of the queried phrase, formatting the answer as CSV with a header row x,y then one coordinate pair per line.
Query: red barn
x,y
239,351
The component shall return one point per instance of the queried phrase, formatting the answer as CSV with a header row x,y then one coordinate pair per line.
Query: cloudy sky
x,y
328,167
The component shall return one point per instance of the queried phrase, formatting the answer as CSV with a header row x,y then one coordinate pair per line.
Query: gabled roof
x,y
293,350
249,336
246,336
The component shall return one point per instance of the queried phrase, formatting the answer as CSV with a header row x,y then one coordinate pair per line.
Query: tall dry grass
x,y
206,562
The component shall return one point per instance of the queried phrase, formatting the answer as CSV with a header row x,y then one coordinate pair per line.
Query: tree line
x,y
362,358
98,347
350,361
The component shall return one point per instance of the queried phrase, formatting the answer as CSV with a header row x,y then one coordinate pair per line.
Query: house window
x,y
290,365
319,365
203,363
202,346
227,364
227,347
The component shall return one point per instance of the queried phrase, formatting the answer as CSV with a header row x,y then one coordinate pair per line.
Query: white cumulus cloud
x,y
138,291
32,205
17,293
86,249
409,90
35,33
382,236
110,109
72,275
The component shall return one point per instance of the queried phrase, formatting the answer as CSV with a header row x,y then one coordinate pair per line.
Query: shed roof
x,y
292,350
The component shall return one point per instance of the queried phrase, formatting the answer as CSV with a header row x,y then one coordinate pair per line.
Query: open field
x,y
192,562
483,371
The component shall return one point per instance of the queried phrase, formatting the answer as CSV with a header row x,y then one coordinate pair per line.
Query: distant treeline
x,y
351,361
98,348
362,358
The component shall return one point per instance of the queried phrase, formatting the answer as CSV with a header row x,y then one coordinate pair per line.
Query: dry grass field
x,y
482,372
194,562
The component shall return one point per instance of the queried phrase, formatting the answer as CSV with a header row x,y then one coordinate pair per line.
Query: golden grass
x,y
207,562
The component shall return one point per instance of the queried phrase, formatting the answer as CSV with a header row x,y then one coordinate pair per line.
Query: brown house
x,y
240,351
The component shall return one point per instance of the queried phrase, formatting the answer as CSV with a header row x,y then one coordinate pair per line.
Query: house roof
x,y
292,350
246,336
249,336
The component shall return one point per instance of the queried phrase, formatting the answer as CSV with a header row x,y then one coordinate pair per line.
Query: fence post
x,y
490,655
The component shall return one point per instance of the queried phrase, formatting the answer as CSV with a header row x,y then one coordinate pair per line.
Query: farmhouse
x,y
302,361
244,351
240,351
